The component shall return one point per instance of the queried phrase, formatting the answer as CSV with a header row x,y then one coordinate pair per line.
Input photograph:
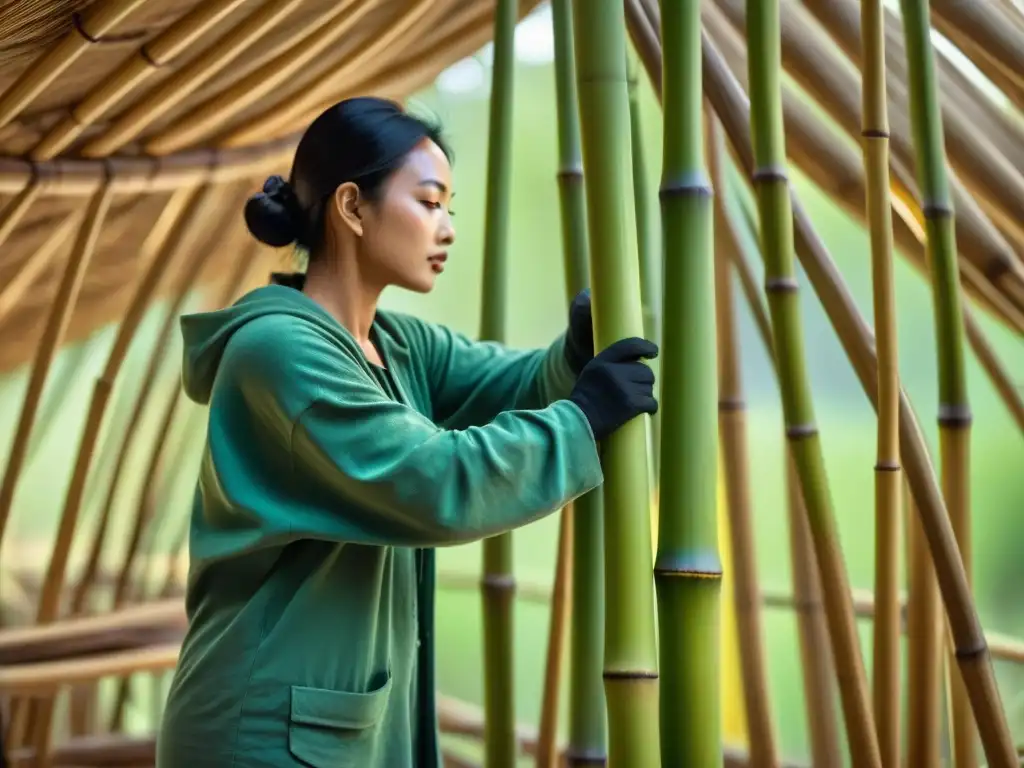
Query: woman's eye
x,y
432,205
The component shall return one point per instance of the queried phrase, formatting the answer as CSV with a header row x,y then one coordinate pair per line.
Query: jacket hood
x,y
206,334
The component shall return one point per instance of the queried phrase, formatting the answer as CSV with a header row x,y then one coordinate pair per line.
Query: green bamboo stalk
x,y
775,208
498,580
687,571
647,247
888,474
630,661
587,727
969,687
732,421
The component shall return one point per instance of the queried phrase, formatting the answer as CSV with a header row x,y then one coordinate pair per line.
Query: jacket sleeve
x,y
471,382
371,470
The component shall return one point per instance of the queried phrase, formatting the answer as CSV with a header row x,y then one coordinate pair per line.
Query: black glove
x,y
579,338
616,386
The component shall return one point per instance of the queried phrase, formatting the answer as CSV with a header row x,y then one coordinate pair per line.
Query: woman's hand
x,y
579,338
616,386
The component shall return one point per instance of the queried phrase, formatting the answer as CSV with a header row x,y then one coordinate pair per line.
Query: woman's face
x,y
407,231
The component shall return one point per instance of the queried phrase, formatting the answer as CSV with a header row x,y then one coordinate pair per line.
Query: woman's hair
x,y
362,140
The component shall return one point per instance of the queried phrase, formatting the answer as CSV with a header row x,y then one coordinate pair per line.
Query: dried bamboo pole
x,y
141,175
282,116
169,243
561,603
96,21
843,179
855,336
130,77
56,325
35,264
733,438
320,34
170,92
46,678
995,46
886,635
954,409
190,271
817,66
771,186
924,649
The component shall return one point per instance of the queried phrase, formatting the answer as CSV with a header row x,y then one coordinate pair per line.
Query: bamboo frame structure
x,y
131,129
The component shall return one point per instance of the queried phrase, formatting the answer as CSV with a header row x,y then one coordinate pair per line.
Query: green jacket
x,y
324,485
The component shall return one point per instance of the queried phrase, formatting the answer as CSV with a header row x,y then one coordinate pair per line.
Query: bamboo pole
x,y
853,333
924,649
56,326
954,407
630,661
875,140
733,430
771,187
812,627
498,578
688,570
647,226
587,732
14,291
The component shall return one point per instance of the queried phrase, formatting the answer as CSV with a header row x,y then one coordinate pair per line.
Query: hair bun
x,y
274,216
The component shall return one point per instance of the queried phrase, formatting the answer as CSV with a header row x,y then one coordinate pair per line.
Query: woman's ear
x,y
346,201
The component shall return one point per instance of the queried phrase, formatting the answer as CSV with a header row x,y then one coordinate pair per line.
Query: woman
x,y
344,443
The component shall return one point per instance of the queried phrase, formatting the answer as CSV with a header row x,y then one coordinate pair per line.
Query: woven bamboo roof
x,y
165,94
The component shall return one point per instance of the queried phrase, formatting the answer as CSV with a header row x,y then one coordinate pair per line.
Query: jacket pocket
x,y
336,729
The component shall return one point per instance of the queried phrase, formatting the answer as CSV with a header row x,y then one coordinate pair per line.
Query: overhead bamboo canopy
x,y
131,132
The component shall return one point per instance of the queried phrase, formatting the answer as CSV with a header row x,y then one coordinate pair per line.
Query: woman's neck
x,y
347,295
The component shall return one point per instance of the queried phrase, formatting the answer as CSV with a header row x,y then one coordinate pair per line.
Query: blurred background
x,y
538,304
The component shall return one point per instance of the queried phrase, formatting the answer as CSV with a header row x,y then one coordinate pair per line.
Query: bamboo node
x,y
693,573
801,431
147,57
975,651
630,674
781,285
127,37
955,415
585,757
887,466
731,404
937,211
499,582
696,186
770,173
874,133
570,172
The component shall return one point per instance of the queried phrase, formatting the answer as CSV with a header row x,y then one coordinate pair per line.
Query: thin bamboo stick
x,y
171,91
587,732
733,431
771,185
47,677
547,733
688,569
649,252
96,21
498,578
158,52
321,33
630,655
56,326
888,476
